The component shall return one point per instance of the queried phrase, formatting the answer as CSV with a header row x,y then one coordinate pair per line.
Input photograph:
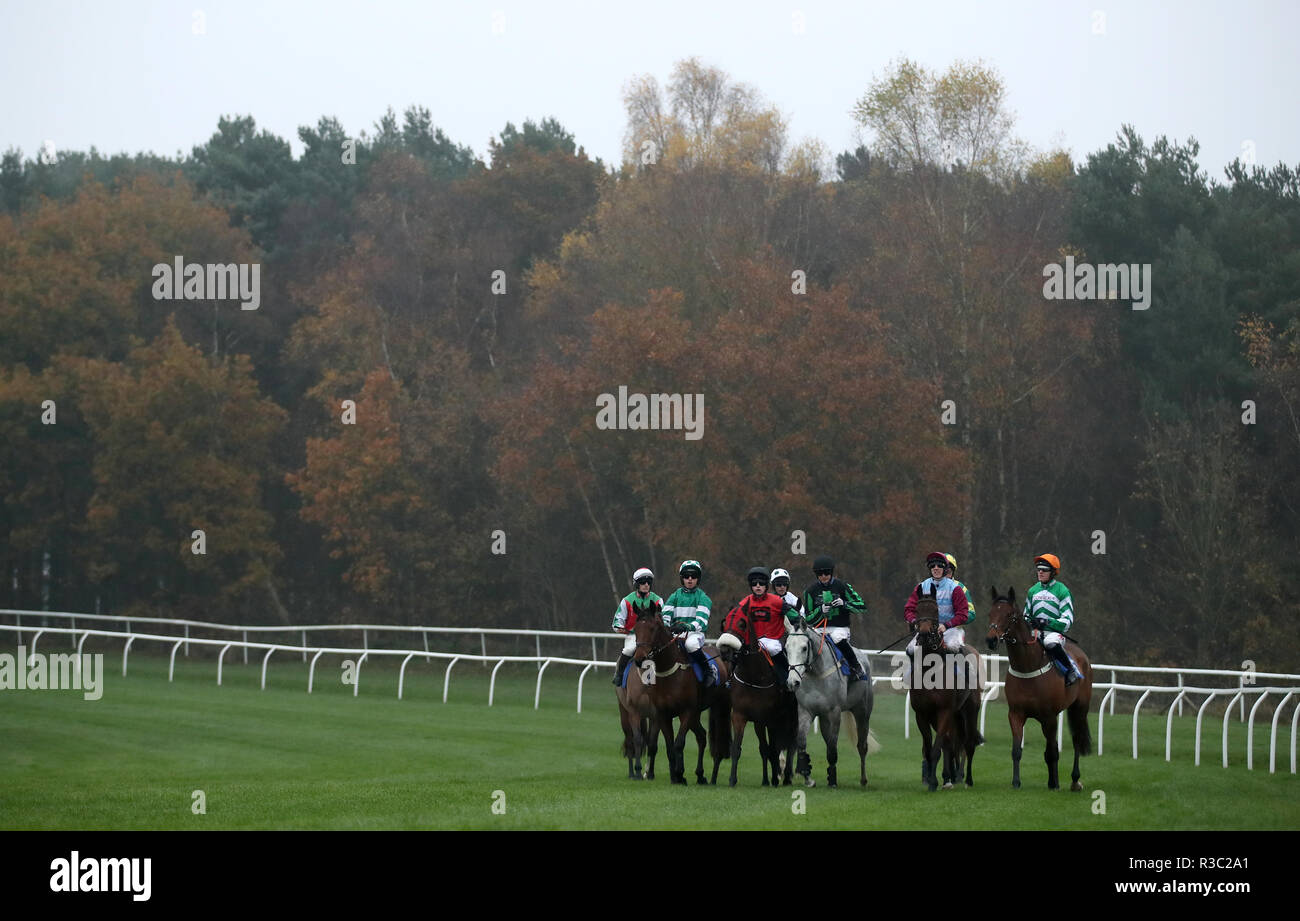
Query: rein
x,y
746,652
653,654
801,669
1005,637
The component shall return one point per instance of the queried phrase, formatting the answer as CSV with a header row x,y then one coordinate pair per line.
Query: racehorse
x,y
823,692
1035,689
951,709
675,692
757,697
640,733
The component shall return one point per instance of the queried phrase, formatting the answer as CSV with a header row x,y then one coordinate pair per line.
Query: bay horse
x,y
674,692
640,732
757,697
950,709
1035,689
823,692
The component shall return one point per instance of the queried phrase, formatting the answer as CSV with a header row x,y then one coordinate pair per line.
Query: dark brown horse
x,y
675,693
758,697
640,733
945,698
1035,689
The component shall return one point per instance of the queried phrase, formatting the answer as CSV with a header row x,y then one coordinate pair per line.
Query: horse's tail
x,y
629,740
1079,731
720,727
849,726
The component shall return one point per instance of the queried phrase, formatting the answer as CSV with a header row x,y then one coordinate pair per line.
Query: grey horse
x,y
825,693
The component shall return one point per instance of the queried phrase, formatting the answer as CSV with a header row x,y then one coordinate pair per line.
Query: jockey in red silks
x,y
764,613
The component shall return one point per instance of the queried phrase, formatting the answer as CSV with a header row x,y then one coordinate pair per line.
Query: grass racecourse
x,y
283,759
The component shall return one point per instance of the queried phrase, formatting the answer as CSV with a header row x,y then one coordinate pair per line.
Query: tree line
x,y
881,373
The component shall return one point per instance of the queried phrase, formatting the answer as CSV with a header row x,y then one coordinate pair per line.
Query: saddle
x,y
840,662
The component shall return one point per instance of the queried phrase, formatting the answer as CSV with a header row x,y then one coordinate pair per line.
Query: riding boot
x,y
701,658
623,659
781,665
1060,655
855,667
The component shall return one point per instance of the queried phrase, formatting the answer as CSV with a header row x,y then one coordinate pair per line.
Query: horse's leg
x,y
1051,754
653,746
801,746
863,720
927,752
764,751
679,746
831,735
666,727
701,739
971,735
944,741
773,756
1017,721
629,739
737,735
792,717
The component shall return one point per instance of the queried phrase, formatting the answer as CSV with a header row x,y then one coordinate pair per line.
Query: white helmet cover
x,y
642,573
780,574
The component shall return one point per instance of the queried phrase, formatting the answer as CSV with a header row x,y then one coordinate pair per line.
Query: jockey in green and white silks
x,y
1050,608
639,603
687,610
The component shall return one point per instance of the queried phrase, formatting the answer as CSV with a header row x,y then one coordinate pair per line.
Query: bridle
x,y
1016,616
803,667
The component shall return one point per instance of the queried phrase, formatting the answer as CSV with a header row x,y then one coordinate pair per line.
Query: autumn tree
x,y
181,443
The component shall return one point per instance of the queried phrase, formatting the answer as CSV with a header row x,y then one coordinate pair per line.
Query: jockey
x,y
638,603
827,604
954,609
781,585
687,611
1049,607
766,612
951,573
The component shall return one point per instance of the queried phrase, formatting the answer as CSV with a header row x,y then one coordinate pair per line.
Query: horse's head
x,y
651,634
736,633
798,652
927,622
1003,617
729,645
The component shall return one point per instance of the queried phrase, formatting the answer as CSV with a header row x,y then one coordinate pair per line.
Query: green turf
x,y
281,758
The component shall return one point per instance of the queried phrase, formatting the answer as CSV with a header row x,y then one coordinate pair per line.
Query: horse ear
x,y
1011,593
994,590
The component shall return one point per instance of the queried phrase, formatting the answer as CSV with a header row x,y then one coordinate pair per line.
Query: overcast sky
x,y
132,76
